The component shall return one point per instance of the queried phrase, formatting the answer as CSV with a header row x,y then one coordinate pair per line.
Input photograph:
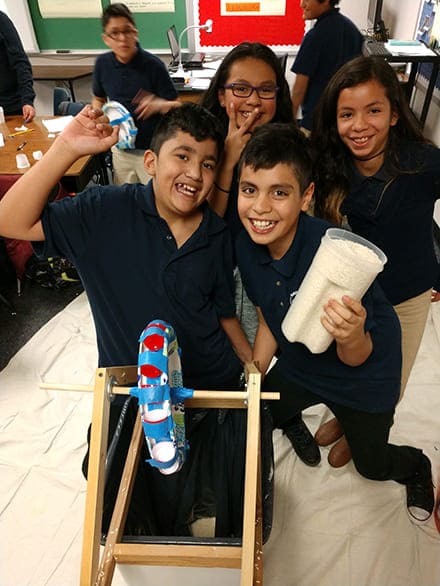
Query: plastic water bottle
x,y
2,115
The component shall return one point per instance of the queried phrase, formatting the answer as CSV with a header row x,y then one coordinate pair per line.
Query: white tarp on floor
x,y
331,527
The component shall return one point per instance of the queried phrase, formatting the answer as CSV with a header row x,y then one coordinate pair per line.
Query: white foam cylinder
x,y
344,264
164,452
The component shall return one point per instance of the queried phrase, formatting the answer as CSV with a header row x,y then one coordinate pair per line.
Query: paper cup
x,y
22,161
345,264
37,155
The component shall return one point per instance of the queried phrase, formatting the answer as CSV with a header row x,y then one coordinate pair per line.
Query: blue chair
x,y
67,108
60,94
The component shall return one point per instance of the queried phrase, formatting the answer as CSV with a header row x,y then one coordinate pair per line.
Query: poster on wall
x,y
252,8
428,31
69,9
278,23
149,5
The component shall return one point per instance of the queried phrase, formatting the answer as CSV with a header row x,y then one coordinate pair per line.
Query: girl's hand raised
x,y
238,135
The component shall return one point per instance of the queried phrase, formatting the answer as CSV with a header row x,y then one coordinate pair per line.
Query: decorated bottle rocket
x,y
160,394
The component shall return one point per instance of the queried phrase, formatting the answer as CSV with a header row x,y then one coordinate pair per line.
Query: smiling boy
x,y
358,377
147,252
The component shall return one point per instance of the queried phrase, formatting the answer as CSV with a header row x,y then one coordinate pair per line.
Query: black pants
x,y
367,433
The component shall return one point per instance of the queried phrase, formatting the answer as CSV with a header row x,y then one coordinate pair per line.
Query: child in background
x,y
332,41
358,376
131,76
154,252
376,170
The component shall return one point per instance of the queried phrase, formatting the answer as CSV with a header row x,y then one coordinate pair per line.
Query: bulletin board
x,y
284,31
85,33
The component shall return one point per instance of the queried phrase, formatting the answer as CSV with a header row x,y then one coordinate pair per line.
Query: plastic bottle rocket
x,y
160,394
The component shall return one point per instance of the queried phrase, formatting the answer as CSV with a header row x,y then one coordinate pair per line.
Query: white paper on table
x,y
199,83
2,141
205,73
420,50
57,124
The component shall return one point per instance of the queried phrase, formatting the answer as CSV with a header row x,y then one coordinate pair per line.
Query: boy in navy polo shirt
x,y
358,376
131,76
154,252
332,41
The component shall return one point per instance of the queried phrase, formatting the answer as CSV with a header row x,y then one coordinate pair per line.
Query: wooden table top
x,y
37,140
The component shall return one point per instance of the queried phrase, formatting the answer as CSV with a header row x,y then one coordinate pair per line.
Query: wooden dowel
x,y
199,394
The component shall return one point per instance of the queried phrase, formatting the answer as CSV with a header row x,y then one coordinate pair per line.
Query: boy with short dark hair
x,y
135,78
358,376
332,41
149,252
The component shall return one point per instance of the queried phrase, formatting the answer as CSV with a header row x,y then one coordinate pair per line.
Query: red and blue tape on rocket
x,y
161,396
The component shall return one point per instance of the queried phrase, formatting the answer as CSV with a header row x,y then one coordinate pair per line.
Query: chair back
x,y
70,108
60,94
283,61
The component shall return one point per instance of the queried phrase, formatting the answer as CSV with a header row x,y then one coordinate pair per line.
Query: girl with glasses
x,y
249,89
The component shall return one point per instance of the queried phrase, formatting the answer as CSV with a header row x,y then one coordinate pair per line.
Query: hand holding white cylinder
x,y
345,264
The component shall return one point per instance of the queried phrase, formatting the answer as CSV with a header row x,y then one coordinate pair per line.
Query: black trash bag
x,y
210,483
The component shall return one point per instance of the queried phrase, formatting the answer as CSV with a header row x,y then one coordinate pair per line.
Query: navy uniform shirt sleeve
x,y
308,55
16,82
395,211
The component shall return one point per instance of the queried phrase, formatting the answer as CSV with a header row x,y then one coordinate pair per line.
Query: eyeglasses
x,y
244,90
128,32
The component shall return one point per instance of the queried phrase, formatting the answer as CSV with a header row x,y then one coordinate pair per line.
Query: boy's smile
x,y
183,174
269,205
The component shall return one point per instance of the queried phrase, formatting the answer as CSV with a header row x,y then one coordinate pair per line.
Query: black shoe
x,y
420,493
303,442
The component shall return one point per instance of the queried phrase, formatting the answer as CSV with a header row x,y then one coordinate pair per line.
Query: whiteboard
x,y
18,12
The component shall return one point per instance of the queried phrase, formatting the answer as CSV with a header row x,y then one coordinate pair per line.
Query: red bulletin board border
x,y
232,30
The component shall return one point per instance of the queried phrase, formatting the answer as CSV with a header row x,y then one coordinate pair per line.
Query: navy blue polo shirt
x,y
395,210
133,273
332,41
372,386
122,81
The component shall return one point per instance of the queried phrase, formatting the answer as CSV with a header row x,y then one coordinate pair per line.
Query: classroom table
x,y
76,177
68,73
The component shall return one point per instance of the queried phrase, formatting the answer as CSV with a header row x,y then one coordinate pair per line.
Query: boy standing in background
x,y
131,76
332,41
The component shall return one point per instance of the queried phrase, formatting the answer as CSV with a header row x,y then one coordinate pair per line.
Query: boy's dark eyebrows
x,y
189,149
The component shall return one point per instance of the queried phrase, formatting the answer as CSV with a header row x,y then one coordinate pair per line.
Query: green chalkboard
x,y
85,33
